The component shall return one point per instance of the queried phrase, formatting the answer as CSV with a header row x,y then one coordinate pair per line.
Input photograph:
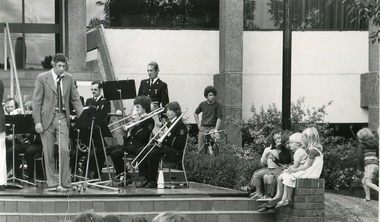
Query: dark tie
x,y
59,94
151,82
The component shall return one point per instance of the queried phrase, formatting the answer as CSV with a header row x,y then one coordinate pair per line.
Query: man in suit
x,y
52,117
98,107
154,87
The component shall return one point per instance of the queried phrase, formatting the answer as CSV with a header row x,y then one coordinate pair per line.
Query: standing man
x,y
154,87
53,122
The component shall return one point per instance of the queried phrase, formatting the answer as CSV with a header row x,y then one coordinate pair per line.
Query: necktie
x,y
59,94
151,82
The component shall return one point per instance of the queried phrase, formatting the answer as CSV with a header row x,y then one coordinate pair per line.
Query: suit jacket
x,y
177,136
102,103
158,92
140,134
45,98
2,115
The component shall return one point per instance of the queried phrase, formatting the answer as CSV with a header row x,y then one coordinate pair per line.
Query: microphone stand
x,y
59,188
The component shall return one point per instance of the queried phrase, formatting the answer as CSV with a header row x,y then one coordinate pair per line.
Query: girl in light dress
x,y
297,145
312,169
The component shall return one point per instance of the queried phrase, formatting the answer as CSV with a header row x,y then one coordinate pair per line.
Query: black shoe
x,y
151,184
263,209
143,184
262,206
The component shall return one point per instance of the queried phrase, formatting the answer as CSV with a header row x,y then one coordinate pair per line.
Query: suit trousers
x,y
57,131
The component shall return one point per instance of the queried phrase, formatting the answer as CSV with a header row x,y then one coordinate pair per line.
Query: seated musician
x,y
172,146
99,108
31,145
136,137
11,107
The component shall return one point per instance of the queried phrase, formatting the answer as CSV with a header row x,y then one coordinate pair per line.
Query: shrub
x,y
227,169
256,130
234,166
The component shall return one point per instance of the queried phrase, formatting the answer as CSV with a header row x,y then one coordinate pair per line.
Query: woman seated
x,y
136,137
172,146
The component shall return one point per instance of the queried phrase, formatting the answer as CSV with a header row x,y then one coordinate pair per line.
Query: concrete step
x,y
195,216
124,204
197,209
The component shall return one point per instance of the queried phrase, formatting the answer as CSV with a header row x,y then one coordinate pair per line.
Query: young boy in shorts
x,y
211,117
368,151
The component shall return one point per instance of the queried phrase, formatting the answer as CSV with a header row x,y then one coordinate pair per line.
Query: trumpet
x,y
132,124
159,140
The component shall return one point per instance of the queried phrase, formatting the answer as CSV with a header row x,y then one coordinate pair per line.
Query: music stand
x,y
119,90
18,124
91,119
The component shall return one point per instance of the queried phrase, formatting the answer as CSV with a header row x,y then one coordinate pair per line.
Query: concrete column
x,y
373,66
76,34
229,80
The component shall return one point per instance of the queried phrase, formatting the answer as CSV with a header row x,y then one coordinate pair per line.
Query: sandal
x,y
245,188
283,203
256,196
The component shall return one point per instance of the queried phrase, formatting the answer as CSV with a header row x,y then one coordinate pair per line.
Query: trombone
x,y
132,124
121,120
160,140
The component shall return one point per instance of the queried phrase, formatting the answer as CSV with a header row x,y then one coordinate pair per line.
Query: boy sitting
x,y
211,117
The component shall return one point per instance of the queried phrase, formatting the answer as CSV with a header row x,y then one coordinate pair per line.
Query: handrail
x,y
7,34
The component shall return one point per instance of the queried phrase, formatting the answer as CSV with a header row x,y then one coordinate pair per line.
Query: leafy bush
x,y
340,164
256,130
227,169
234,166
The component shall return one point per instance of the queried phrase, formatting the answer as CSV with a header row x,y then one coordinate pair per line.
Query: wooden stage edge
x,y
194,190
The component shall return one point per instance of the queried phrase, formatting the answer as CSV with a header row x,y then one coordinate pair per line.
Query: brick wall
x,y
308,204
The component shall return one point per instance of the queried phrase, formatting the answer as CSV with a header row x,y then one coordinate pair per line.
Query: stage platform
x,y
199,202
194,190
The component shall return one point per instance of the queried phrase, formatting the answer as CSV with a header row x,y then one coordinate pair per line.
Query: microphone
x,y
60,77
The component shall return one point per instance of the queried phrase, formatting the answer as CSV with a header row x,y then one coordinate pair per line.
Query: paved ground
x,y
342,208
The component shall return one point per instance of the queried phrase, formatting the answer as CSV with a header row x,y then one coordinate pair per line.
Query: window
x,y
306,15
11,11
41,11
183,14
36,37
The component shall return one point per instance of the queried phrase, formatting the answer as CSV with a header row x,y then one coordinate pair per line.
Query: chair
x,y
182,161
128,158
23,163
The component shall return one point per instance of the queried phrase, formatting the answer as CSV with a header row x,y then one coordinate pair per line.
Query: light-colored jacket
x,y
45,98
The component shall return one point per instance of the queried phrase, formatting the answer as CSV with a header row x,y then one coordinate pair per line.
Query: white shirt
x,y
153,80
55,77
